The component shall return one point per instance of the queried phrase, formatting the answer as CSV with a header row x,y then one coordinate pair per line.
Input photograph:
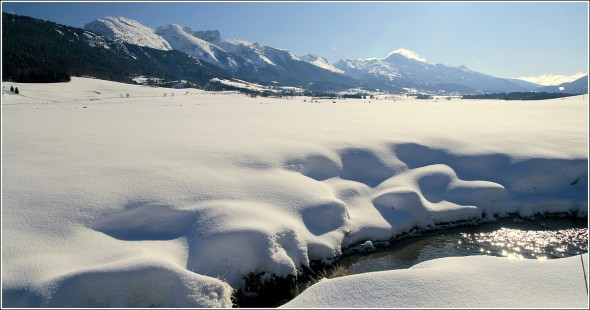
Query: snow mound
x,y
145,221
457,282
131,283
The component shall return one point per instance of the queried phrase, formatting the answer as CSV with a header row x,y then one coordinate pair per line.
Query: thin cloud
x,y
551,80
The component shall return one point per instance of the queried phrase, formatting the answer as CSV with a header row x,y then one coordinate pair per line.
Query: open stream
x,y
548,238
543,238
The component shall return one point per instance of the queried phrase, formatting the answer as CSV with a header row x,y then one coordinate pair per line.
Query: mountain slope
x,y
288,69
244,60
579,86
125,30
321,62
401,70
182,39
34,50
526,85
272,66
119,48
405,70
252,53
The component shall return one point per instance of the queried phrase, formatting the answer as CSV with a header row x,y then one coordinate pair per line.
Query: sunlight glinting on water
x,y
513,239
516,243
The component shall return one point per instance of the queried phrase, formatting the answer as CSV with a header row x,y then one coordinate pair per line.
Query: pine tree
x,y
16,91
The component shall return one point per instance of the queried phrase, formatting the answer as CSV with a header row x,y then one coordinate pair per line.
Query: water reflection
x,y
548,238
518,243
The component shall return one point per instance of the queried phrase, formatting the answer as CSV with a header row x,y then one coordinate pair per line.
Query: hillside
x,y
41,51
119,49
579,86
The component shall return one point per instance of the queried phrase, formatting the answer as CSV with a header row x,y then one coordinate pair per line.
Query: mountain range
x,y
178,52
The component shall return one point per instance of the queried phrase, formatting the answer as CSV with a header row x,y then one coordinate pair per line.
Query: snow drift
x,y
118,195
457,282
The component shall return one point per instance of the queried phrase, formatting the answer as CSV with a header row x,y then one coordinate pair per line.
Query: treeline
x,y
519,96
37,51
281,93
218,86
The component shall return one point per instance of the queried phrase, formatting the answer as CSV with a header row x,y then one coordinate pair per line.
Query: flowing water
x,y
548,238
545,238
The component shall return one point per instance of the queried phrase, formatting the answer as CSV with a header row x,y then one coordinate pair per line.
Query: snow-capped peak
x,y
408,54
253,52
127,30
320,62
182,39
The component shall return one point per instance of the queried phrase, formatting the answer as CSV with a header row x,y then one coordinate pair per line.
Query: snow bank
x,y
102,191
457,282
131,283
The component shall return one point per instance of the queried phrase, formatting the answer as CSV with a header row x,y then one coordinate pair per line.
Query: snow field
x,y
192,192
456,282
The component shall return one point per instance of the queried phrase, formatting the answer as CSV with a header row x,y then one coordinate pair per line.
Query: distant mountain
x,y
320,62
207,35
118,48
34,50
258,55
273,66
183,39
125,30
242,59
282,68
404,70
579,86
552,79
253,53
526,85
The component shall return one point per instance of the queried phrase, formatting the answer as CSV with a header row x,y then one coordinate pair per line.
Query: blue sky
x,y
504,39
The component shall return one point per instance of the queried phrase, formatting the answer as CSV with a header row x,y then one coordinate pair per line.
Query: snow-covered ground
x,y
259,88
118,195
457,282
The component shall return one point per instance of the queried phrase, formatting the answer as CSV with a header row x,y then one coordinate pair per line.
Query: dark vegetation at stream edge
x,y
275,291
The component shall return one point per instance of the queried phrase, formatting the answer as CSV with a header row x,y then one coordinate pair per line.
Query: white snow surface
x,y
127,30
117,195
457,282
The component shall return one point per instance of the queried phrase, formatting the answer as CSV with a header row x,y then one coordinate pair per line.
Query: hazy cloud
x,y
550,79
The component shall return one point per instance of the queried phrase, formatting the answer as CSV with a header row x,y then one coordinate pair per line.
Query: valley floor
x,y
118,195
